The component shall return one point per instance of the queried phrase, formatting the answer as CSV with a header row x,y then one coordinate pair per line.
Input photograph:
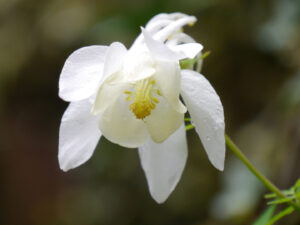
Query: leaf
x,y
297,184
265,216
282,200
281,214
187,63
285,192
297,188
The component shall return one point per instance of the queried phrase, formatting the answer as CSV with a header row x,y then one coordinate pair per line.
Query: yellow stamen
x,y
128,98
127,92
143,101
158,92
155,100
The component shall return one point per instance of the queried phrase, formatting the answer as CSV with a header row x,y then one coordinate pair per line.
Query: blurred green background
x,y
254,66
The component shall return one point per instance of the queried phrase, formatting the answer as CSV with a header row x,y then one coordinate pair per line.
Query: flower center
x,y
143,101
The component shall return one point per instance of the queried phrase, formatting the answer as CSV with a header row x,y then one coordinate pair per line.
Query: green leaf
x,y
297,184
265,216
187,63
297,188
285,192
281,214
282,200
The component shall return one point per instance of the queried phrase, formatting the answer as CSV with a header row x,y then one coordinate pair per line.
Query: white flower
x,y
131,97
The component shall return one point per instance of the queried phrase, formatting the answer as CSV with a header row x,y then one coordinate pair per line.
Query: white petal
x,y
81,73
78,135
156,26
179,38
172,28
189,50
167,71
207,114
152,29
138,65
117,123
166,16
159,50
167,78
163,121
158,23
114,59
163,164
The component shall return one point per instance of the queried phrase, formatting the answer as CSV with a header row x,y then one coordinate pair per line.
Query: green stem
x,y
258,174
281,214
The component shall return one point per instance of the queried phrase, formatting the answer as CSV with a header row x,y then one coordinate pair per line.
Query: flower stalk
x,y
231,145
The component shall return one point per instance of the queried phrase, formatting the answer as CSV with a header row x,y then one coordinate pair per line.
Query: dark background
x,y
254,66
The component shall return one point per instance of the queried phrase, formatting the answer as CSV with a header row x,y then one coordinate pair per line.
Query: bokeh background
x,y
254,66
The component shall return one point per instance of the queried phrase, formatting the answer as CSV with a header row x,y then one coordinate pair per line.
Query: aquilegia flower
x,y
132,98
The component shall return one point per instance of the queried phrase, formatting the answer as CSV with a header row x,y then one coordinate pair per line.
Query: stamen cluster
x,y
143,100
